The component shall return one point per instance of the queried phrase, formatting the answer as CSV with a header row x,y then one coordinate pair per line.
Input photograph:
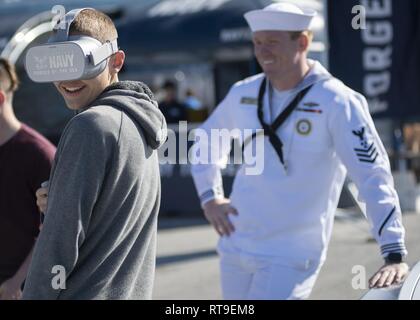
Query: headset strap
x,y
103,52
62,28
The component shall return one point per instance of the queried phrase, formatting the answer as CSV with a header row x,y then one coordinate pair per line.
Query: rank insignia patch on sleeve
x,y
367,153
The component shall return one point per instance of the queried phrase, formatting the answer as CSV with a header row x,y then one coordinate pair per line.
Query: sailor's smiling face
x,y
276,51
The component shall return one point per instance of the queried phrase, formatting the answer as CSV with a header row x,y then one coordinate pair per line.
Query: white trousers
x,y
252,277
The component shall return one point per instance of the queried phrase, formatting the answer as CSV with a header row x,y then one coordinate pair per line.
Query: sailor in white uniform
x,y
276,226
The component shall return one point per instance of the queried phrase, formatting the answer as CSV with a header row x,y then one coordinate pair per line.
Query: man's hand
x,y
10,289
216,212
42,197
389,274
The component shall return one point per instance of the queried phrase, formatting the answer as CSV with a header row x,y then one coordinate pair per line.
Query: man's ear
x,y
117,61
304,42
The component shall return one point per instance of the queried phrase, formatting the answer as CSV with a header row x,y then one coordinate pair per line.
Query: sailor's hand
x,y
216,212
389,274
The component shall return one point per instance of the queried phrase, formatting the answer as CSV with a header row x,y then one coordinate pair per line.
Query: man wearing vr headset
x,y
104,190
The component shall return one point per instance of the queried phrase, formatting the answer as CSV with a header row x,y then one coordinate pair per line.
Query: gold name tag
x,y
247,100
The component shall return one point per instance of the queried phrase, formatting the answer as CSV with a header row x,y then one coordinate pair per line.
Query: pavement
x,y
187,263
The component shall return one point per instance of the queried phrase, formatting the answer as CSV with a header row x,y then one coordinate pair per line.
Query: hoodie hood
x,y
137,100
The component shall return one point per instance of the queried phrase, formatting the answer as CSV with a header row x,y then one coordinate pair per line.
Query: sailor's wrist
x,y
394,257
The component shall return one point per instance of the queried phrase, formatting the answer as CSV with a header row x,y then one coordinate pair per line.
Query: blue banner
x,y
374,47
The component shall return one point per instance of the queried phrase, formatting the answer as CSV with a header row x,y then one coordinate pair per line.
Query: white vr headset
x,y
66,57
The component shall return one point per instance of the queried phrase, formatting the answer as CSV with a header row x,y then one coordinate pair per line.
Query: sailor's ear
x,y
303,42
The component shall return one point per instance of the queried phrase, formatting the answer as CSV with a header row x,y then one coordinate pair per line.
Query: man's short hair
x,y
95,24
9,80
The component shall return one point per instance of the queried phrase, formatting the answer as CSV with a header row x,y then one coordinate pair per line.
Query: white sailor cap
x,y
280,16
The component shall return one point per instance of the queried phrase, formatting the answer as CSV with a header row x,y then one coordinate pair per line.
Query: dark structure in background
x,y
381,61
193,32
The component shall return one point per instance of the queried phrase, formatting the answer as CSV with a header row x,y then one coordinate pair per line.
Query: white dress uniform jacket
x,y
287,211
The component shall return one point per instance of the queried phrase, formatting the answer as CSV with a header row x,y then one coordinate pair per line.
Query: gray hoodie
x,y
104,196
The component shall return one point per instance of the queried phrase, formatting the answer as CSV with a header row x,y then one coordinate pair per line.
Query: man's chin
x,y
269,71
74,105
